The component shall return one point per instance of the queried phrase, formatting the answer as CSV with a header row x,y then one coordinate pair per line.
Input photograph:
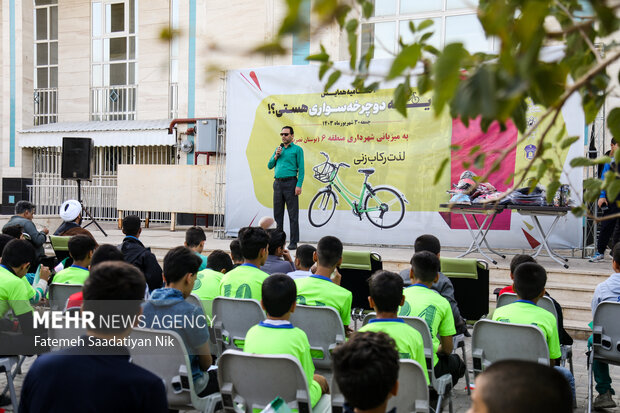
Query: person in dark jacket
x,y
137,254
24,212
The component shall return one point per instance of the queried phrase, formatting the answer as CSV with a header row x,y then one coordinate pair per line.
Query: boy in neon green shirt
x,y
323,287
386,295
81,249
195,239
246,280
207,285
424,302
529,284
276,335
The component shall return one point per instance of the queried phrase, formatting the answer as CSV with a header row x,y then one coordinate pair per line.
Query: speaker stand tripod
x,y
85,211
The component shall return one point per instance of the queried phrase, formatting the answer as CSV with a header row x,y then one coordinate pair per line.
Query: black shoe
x,y
292,246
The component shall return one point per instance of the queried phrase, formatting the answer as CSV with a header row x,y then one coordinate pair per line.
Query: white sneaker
x,y
597,257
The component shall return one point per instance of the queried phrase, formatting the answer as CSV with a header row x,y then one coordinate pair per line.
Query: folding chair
x,y
493,341
412,394
470,279
249,382
171,363
207,307
546,303
605,340
443,384
60,245
232,318
324,329
5,367
60,293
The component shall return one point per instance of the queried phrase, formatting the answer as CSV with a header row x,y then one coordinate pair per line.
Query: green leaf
x,y
426,36
552,188
614,189
270,49
579,211
576,162
425,24
401,96
569,141
479,160
447,70
408,57
332,79
324,68
474,149
613,123
455,147
367,9
351,28
439,172
319,57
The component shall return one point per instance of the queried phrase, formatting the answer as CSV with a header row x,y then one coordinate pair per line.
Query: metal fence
x,y
45,106
49,190
113,103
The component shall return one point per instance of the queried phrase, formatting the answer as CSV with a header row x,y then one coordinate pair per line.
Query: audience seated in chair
x,y
565,338
137,254
105,252
443,285
608,290
102,377
81,249
37,288
366,371
529,284
516,386
276,334
71,215
386,295
424,302
180,269
235,253
15,292
323,287
279,259
207,285
245,280
195,239
24,213
304,260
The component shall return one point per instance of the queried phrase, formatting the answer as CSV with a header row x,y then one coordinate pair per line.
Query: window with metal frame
x,y
46,62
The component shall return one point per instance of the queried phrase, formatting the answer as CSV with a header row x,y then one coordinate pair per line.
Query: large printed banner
x,y
369,171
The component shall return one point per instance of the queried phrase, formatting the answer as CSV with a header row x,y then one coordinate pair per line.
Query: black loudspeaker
x,y
77,158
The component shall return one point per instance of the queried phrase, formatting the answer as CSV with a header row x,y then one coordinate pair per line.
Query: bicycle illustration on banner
x,y
383,205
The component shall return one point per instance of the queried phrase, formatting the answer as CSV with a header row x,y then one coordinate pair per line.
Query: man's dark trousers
x,y
284,193
607,228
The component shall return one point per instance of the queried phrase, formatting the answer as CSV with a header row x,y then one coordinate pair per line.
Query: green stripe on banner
x,y
12,86
301,44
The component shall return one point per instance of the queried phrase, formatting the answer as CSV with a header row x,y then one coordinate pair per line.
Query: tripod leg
x,y
92,220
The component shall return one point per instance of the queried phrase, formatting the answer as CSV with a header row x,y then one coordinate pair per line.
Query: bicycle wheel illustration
x,y
384,207
322,208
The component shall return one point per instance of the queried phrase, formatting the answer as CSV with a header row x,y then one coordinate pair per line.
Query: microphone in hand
x,y
279,150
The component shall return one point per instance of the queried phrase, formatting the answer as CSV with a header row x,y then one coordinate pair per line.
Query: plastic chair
x,y
493,341
207,307
171,363
546,303
60,293
412,394
443,384
232,318
5,366
324,329
60,245
249,382
605,340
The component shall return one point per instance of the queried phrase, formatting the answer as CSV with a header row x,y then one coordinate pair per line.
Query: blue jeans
x,y
569,377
